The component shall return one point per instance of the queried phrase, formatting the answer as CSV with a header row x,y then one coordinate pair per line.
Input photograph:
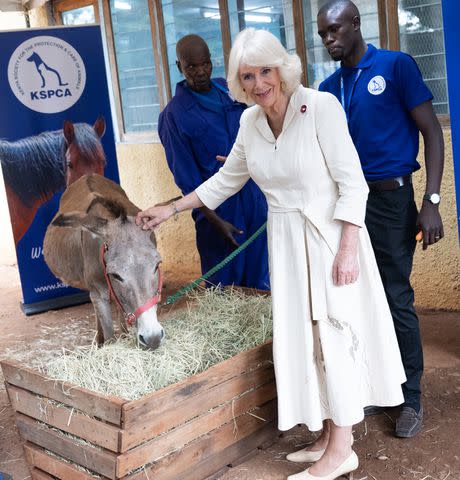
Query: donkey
x,y
94,244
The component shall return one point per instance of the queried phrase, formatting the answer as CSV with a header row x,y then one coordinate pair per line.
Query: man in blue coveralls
x,y
198,126
387,104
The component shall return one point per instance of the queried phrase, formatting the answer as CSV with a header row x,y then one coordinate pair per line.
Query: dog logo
x,y
42,68
46,74
376,85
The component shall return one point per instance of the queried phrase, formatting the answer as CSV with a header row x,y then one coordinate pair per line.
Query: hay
x,y
216,325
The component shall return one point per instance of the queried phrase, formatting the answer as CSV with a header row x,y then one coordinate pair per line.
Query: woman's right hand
x,y
154,216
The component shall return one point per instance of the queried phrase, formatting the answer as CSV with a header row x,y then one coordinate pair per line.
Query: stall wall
x,y
145,176
436,273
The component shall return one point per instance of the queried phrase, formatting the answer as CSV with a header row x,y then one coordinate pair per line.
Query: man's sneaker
x,y
373,410
409,422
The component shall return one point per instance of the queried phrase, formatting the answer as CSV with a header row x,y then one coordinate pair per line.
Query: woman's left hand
x,y
345,269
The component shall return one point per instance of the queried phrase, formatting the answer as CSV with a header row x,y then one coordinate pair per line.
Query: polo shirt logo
x,y
376,85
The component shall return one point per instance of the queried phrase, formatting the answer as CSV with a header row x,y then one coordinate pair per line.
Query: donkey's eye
x,y
115,276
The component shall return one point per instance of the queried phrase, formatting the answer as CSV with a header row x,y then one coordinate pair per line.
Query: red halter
x,y
151,302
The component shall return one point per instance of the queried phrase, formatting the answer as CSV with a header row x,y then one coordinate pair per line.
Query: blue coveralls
x,y
193,133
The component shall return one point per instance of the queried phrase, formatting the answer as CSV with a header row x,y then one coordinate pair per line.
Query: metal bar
x,y
431,30
139,69
428,55
146,105
434,79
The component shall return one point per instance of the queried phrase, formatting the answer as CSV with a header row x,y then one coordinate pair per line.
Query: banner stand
x,y
55,112
55,303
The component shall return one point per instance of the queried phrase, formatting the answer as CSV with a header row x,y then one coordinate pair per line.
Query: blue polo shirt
x,y
379,94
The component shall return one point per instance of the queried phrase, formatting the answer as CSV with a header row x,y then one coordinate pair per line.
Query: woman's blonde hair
x,y
260,48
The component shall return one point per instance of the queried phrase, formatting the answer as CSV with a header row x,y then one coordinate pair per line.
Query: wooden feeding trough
x,y
187,431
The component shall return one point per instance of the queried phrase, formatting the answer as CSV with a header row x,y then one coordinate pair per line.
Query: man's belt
x,y
389,183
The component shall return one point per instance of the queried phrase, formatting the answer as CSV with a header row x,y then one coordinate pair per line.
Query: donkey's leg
x,y
100,333
103,317
122,321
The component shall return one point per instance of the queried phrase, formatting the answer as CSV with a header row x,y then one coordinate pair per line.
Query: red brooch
x,y
303,109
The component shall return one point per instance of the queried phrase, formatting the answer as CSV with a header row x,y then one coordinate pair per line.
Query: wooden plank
x,y
36,474
164,50
60,469
225,31
231,455
153,17
92,403
393,24
64,418
95,459
199,426
156,403
299,32
179,463
383,27
183,409
112,61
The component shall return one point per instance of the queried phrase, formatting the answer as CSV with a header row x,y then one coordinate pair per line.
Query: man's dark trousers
x,y
391,221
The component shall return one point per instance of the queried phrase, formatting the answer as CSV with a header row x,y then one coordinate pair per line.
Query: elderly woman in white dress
x,y
334,345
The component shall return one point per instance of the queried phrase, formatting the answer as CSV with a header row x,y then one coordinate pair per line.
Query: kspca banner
x,y
55,126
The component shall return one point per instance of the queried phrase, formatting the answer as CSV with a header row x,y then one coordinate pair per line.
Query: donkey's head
x,y
131,262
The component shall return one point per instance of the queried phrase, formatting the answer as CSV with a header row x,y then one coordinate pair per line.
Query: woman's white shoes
x,y
305,455
310,456
348,465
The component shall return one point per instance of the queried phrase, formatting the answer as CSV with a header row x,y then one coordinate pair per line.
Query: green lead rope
x,y
182,291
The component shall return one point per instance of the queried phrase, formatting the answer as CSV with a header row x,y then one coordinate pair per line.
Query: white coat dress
x,y
334,348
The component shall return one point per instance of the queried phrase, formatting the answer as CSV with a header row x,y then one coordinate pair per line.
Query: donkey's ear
x,y
69,132
99,126
96,225
69,220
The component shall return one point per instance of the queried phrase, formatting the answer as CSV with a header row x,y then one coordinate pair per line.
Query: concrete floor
x,y
432,455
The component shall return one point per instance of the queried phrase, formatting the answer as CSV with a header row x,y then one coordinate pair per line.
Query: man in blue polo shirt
x,y
199,124
387,104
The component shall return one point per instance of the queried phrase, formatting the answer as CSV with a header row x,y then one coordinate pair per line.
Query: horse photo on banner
x,y
55,126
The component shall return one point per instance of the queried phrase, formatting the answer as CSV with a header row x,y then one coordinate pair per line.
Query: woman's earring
x,y
283,85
